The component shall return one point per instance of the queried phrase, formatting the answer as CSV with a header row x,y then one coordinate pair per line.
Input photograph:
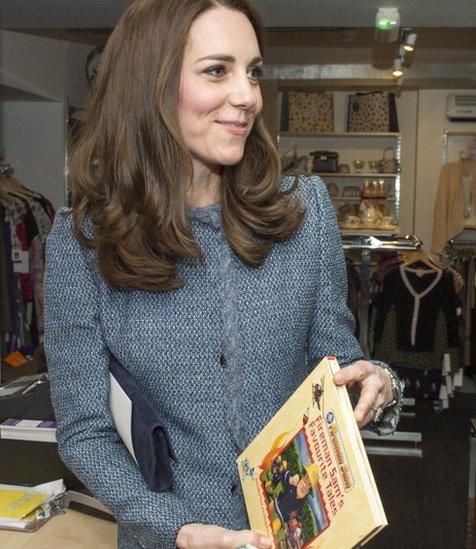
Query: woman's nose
x,y
244,93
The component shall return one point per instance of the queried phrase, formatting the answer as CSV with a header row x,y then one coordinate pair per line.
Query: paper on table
x,y
51,489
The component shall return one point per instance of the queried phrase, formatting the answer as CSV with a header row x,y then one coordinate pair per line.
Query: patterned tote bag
x,y
372,112
310,112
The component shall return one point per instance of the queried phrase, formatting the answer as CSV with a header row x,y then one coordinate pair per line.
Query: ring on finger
x,y
378,413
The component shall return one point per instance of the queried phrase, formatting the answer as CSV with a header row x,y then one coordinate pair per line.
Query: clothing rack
x,y
366,245
30,217
7,169
464,244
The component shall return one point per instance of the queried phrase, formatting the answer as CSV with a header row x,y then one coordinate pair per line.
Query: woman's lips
x,y
234,127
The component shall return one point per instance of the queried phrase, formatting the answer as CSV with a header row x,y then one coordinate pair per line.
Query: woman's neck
x,y
205,187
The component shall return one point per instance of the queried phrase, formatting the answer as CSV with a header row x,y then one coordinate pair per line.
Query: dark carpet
x,y
425,499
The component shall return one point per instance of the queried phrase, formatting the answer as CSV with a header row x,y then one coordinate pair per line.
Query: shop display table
x,y
73,530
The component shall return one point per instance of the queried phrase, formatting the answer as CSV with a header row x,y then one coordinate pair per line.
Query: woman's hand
x,y
205,536
374,385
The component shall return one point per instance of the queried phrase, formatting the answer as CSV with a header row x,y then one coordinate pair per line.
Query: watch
x,y
396,389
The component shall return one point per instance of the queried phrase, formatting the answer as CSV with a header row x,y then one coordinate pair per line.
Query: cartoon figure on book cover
x,y
295,505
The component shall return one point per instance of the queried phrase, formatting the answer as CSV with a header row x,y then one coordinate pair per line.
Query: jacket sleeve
x,y
78,359
440,214
332,327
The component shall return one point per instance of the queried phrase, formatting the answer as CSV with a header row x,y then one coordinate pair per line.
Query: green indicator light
x,y
384,24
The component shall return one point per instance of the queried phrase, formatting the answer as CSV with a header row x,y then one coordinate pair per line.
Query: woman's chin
x,y
230,159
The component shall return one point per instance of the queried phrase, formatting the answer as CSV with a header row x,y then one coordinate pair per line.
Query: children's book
x,y
306,478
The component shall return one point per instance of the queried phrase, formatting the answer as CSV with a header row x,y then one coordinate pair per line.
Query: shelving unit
x,y
352,146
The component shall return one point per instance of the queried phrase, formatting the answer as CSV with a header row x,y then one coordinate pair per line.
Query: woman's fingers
x,y
369,398
246,538
208,536
354,373
375,388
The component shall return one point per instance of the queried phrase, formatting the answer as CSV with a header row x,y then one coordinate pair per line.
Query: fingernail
x,y
337,378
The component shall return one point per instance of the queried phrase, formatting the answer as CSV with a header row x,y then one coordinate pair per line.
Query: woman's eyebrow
x,y
228,59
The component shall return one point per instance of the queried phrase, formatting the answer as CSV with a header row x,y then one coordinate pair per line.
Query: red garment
x,y
26,282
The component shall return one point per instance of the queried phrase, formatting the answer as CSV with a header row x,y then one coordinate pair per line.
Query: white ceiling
x,y
276,13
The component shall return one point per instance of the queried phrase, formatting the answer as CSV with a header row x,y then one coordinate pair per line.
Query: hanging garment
x,y
449,213
386,347
417,297
5,325
353,291
26,221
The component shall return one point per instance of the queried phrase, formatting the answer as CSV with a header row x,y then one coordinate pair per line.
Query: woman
x,y
214,283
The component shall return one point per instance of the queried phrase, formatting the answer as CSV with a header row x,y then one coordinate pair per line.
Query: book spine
x,y
359,449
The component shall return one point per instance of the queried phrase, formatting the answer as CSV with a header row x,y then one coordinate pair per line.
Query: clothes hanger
x,y
467,154
410,258
13,186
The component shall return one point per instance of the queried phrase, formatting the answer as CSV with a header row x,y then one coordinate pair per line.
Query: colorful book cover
x,y
306,478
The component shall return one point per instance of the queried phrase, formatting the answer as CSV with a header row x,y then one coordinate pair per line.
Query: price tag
x,y
458,378
446,364
21,262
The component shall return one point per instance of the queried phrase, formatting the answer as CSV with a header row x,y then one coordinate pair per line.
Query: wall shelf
x,y
355,175
339,134
355,199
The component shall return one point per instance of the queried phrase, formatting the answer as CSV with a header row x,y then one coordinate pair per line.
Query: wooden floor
x,y
426,499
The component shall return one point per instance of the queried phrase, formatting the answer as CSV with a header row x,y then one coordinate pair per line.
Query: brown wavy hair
x,y
129,169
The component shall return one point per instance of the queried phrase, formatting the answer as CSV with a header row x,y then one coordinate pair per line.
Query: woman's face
x,y
219,95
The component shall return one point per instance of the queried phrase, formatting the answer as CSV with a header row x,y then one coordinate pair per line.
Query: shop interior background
x,y
327,45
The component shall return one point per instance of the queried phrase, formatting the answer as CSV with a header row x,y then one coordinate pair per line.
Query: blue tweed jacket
x,y
289,313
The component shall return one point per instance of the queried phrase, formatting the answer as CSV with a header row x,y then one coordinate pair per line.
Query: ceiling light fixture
x,y
397,68
409,41
387,24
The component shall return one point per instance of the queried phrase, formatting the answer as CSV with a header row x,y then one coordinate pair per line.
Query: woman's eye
x,y
256,73
217,71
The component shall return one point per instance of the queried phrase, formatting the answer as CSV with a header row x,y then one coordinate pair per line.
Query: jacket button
x,y
233,488
223,361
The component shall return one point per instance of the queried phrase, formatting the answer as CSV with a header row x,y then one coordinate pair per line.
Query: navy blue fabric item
x,y
150,439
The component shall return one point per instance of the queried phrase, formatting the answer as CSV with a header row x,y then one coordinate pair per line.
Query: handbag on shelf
x,y
372,112
309,112
325,161
332,190
389,165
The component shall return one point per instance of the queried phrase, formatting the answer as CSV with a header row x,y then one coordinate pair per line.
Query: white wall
x,y
432,123
44,66
33,135
32,130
